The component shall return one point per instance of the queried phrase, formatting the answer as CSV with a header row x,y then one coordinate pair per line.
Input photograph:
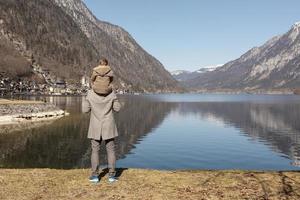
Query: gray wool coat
x,y
102,122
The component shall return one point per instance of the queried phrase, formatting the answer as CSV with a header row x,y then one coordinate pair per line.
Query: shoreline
x,y
23,111
204,91
149,184
32,117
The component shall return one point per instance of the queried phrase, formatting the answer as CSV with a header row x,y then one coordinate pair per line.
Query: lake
x,y
168,131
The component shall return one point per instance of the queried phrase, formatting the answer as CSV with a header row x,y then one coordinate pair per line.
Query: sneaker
x,y
112,179
94,179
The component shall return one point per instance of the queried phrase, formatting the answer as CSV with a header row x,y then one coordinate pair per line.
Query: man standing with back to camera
x,y
101,102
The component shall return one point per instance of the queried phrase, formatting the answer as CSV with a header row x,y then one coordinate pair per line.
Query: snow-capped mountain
x,y
178,72
209,68
184,75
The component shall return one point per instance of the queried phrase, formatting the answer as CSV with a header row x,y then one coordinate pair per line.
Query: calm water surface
x,y
186,131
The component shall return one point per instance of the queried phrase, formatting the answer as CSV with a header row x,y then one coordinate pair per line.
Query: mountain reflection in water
x,y
275,125
63,143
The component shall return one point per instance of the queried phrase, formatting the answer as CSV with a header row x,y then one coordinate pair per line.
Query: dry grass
x,y
149,184
14,102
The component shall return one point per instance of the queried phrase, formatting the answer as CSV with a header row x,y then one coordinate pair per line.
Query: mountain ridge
x,y
274,65
66,39
132,50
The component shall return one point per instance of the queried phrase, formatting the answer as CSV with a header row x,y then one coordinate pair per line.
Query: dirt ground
x,y
148,184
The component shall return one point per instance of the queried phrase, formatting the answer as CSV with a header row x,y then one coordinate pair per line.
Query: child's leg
x,y
95,156
111,156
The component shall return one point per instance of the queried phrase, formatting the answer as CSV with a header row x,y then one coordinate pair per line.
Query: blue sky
x,y
194,33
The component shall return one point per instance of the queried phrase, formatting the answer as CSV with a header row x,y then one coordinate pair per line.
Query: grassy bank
x,y
149,184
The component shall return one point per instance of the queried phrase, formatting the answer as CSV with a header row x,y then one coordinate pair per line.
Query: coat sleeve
x,y
93,77
110,74
86,105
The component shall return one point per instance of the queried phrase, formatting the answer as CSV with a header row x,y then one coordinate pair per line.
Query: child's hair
x,y
103,61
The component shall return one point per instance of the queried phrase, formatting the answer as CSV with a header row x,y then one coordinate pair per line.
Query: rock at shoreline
x,y
26,108
15,113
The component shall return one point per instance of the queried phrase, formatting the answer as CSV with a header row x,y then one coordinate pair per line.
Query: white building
x,y
85,81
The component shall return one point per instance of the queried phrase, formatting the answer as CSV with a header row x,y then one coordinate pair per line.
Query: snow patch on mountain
x,y
178,72
184,75
296,25
209,68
